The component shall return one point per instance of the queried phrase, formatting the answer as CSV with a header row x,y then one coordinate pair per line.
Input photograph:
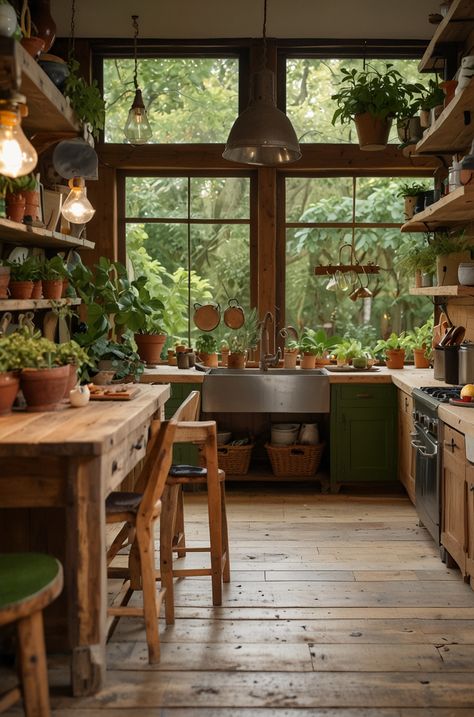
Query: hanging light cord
x,y
135,56
73,28
264,34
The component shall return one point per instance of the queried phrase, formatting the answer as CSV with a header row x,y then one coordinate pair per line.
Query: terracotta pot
x,y
43,388
9,385
21,289
410,204
71,379
52,288
65,288
418,283
420,359
395,358
225,356
290,357
33,45
237,360
15,207
308,361
372,131
210,360
32,203
150,346
4,281
44,23
448,87
37,292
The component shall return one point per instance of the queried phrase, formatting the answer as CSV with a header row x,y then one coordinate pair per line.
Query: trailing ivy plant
x,y
85,99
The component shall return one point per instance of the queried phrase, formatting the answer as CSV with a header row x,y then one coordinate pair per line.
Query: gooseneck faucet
x,y
266,358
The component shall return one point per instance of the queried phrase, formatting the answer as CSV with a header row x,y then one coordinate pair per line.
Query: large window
x,y
199,223
309,86
189,99
322,215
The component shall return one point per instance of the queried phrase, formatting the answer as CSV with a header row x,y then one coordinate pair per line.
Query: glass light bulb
x,y
77,208
17,155
137,127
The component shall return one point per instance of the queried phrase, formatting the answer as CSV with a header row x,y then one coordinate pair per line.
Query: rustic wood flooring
x,y
339,606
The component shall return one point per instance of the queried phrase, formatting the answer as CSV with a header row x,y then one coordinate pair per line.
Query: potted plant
x,y
420,342
431,103
291,347
4,279
419,260
244,340
52,272
346,350
308,348
22,277
10,365
410,193
449,251
151,339
18,189
372,99
206,347
225,350
394,349
75,357
118,358
85,99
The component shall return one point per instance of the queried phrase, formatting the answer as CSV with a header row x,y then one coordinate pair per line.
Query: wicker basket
x,y
234,460
295,460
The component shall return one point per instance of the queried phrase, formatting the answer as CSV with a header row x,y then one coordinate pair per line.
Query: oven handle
x,y
426,454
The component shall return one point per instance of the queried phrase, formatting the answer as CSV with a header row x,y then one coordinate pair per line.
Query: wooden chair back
x,y
156,468
189,409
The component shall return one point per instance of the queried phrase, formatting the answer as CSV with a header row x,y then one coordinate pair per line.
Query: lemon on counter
x,y
467,390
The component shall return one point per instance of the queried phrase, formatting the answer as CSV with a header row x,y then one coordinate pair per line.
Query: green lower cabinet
x,y
185,453
363,434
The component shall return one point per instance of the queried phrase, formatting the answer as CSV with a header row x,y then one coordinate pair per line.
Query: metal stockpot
x,y
466,362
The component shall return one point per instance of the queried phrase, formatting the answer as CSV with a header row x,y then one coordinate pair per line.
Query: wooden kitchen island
x,y
56,471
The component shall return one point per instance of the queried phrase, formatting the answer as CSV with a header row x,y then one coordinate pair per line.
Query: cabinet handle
x,y
364,395
139,444
114,466
451,444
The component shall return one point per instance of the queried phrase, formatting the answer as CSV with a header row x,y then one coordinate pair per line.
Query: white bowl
x,y
466,273
284,434
223,437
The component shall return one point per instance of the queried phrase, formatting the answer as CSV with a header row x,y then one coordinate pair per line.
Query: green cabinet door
x,y
185,452
363,434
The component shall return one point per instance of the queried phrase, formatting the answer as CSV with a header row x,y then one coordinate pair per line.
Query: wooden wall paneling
x,y
103,227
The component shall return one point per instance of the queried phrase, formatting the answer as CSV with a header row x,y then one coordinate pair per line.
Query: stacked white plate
x,y
284,434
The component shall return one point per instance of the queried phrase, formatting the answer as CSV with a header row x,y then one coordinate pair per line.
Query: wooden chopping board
x,y
117,392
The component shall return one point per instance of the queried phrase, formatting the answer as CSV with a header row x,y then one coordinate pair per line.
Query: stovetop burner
x,y
442,393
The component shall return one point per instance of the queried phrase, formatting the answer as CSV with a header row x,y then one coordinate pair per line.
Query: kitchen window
x,y
188,99
176,224
319,221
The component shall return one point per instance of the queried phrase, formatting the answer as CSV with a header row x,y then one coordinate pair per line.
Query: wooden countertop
x,y
94,429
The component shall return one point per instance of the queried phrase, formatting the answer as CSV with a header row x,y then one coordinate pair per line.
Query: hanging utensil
x,y
444,341
5,322
234,317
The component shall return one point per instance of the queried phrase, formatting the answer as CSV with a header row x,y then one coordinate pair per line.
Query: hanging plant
x,y
85,99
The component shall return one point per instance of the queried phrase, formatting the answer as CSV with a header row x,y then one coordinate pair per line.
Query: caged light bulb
x,y
77,208
17,156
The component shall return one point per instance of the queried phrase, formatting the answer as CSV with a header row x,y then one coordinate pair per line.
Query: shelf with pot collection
x,y
455,28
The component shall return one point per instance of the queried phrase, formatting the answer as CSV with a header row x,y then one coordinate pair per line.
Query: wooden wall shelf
x,y
443,291
455,27
23,304
455,208
23,235
453,131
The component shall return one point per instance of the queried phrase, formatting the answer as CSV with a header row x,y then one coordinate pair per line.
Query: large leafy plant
x,y
85,99
317,342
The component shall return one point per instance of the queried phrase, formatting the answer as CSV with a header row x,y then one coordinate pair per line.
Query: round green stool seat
x,y
27,580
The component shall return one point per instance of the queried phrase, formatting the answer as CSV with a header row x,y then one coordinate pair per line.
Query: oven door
x,y
427,482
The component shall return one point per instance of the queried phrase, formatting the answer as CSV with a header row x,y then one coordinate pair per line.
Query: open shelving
x,y
457,290
453,131
455,208
25,235
455,28
25,304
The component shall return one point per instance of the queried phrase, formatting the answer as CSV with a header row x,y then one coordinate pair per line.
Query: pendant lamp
x,y
137,128
262,134
17,155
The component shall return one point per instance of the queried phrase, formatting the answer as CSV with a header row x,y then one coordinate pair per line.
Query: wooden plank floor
x,y
338,606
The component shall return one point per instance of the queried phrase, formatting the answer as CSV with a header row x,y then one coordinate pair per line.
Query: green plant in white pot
x,y
450,251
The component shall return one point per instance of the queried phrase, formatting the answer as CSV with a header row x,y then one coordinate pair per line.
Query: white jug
x,y
309,434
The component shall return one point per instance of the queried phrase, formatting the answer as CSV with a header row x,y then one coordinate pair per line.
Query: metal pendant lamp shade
x,y
262,134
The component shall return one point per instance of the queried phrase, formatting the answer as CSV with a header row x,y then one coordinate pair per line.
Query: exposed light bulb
x,y
77,208
137,127
17,155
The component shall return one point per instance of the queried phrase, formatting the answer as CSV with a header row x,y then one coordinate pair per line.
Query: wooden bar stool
x,y
28,583
172,533
139,512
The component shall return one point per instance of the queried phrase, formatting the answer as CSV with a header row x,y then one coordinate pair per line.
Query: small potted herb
x,y
52,272
420,342
151,339
4,279
410,193
206,347
291,348
17,190
394,349
10,365
431,104
22,277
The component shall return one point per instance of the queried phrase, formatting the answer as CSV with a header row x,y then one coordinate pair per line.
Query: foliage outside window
x,y
318,223
157,223
188,99
310,84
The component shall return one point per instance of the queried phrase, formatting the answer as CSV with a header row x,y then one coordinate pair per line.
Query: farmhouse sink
x,y
277,390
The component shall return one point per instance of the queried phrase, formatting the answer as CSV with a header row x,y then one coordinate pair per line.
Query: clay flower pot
x,y
33,45
4,281
308,361
37,292
43,388
15,206
290,358
52,288
395,358
372,132
9,385
32,203
71,380
21,289
150,346
237,360
420,359
210,360
225,356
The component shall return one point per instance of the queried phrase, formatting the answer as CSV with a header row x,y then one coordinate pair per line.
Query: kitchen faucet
x,y
266,358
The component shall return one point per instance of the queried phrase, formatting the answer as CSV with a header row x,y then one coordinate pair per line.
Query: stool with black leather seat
x,y
28,583
172,524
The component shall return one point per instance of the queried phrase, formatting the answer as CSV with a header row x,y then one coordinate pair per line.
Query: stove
x,y
426,401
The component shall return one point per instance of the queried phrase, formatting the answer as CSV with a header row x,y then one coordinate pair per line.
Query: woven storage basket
x,y
234,460
295,460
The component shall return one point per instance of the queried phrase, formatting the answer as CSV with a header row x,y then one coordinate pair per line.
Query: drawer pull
x,y
364,395
451,444
139,444
114,466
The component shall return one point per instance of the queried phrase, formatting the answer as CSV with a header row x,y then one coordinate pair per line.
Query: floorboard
x,y
339,606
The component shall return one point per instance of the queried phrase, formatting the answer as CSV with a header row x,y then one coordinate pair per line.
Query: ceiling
x,y
188,19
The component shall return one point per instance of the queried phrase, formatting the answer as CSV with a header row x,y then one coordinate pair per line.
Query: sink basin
x,y
277,390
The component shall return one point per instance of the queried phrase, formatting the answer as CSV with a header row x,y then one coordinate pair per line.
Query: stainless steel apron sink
x,y
273,391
